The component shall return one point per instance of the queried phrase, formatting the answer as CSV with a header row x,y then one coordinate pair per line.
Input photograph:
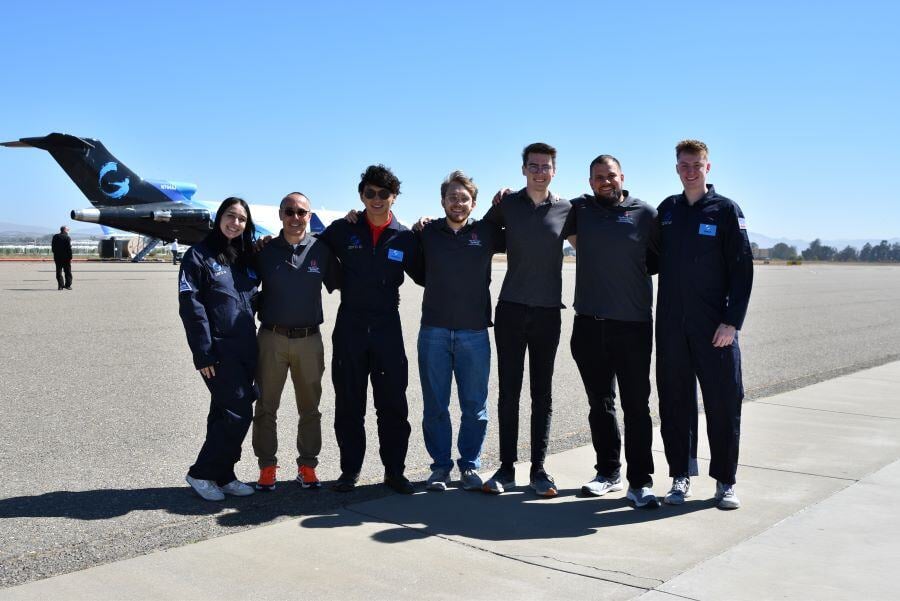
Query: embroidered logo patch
x,y
667,219
355,244
313,267
184,285
707,229
474,240
742,223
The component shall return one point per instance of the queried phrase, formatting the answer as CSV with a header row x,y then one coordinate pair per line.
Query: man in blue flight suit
x,y
367,340
705,277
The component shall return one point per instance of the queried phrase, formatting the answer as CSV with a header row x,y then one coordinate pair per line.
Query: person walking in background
x,y
61,245
174,249
216,290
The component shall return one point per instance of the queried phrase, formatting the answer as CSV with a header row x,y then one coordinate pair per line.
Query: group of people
x,y
696,241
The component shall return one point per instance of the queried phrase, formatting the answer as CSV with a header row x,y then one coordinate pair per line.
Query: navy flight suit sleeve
x,y
191,284
739,263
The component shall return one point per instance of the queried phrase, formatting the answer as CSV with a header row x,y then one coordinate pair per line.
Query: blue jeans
x,y
467,355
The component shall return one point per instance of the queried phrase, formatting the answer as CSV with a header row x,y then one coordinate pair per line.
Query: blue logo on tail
x,y
121,188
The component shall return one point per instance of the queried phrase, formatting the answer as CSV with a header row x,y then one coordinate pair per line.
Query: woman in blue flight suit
x,y
216,290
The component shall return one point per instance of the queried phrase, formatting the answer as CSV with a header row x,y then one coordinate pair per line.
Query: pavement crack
x,y
828,410
524,559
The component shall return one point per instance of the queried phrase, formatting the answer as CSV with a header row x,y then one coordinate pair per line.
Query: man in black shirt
x,y
455,267
293,268
612,336
62,256
528,313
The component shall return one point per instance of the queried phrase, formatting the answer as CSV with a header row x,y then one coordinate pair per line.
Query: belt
x,y
291,332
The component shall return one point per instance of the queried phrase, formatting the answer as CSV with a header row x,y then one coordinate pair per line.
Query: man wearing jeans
x,y
528,313
454,265
612,336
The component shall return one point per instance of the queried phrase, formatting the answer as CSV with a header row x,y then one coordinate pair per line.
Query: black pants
x,y
63,266
364,350
682,359
229,419
174,257
517,327
607,351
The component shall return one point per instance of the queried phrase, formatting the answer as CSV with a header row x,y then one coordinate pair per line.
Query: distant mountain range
x,y
8,230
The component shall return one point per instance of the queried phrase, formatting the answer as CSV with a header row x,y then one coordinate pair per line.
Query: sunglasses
x,y
292,212
383,194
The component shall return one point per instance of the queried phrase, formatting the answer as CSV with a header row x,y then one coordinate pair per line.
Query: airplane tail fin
x,y
100,176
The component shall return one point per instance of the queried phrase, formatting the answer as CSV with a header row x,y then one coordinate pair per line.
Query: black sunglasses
x,y
383,194
298,212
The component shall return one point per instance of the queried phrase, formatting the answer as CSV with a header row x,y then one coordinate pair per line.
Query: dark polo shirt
x,y
611,278
533,247
455,269
292,289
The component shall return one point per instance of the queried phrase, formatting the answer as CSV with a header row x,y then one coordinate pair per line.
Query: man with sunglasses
x,y
293,267
374,252
527,316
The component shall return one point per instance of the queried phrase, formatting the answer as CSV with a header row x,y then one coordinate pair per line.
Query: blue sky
x,y
795,99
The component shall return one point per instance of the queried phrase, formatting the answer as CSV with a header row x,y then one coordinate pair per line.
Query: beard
x,y
609,199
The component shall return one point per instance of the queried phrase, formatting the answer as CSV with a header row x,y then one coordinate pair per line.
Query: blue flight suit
x,y
705,278
216,306
368,341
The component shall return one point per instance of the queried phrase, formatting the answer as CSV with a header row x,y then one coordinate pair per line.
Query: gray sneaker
x,y
681,489
543,485
438,480
470,480
726,498
236,488
502,481
601,485
643,497
207,489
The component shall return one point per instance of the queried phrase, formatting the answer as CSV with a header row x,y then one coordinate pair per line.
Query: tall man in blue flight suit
x,y
367,340
705,277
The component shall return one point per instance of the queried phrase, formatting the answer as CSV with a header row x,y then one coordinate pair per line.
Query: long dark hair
x,y
230,252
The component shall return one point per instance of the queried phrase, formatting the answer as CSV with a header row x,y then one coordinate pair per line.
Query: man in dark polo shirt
x,y
61,245
528,313
293,267
374,252
455,267
612,337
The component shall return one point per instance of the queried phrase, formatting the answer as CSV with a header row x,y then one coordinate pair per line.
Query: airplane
x,y
160,210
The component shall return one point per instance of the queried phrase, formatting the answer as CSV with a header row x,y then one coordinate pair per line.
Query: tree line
x,y
882,253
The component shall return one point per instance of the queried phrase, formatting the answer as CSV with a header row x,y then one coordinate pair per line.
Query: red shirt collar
x,y
376,230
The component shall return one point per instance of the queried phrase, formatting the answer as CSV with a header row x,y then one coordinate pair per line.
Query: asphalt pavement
x,y
104,412
820,469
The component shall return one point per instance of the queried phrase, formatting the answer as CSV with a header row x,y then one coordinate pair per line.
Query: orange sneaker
x,y
307,478
266,478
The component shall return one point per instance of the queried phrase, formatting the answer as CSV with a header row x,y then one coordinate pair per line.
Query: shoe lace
x,y
681,485
267,473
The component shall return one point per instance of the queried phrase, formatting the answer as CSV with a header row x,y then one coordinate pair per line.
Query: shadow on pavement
x,y
288,500
511,516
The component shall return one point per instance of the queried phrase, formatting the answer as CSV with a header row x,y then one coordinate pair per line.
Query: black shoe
x,y
399,484
345,483
68,287
60,288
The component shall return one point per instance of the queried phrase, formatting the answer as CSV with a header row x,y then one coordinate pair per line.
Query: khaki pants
x,y
305,358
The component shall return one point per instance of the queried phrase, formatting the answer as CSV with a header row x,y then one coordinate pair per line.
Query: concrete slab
x,y
350,559
842,548
873,392
602,536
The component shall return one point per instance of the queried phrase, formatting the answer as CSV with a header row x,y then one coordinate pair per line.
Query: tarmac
x,y
819,477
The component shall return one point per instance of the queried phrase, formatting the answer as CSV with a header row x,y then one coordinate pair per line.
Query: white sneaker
x,y
642,497
438,480
681,489
726,498
601,485
236,488
207,489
